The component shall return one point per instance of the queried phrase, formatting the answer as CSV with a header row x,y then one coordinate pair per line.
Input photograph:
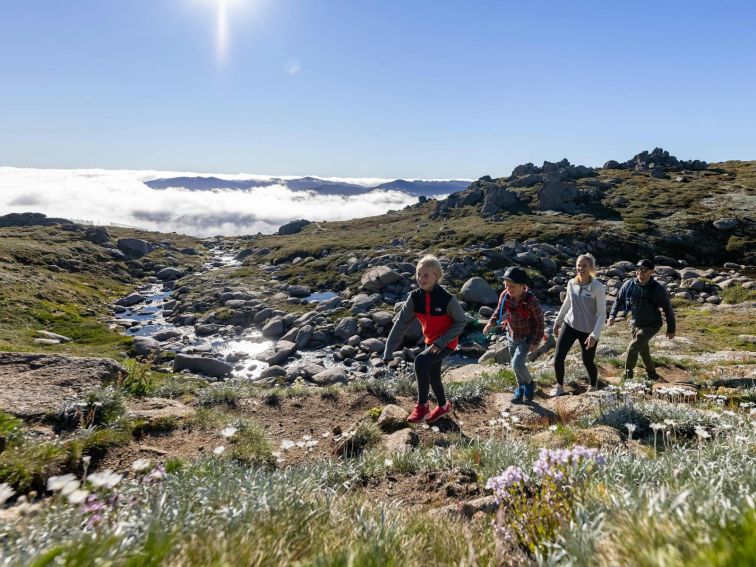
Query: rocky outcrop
x,y
35,385
31,219
293,227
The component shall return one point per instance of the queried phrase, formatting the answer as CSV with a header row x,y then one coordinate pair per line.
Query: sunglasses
x,y
642,270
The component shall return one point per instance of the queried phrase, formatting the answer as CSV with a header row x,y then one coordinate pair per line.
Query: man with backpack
x,y
644,297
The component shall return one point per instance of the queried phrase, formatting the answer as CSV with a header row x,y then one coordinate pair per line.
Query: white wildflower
x,y
701,432
78,496
553,427
219,450
106,478
630,429
56,483
287,444
5,492
388,463
657,426
140,465
229,431
70,487
435,429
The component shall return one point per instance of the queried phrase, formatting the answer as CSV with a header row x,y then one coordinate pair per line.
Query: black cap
x,y
645,264
517,275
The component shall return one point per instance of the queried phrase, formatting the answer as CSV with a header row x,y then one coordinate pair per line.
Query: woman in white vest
x,y
581,318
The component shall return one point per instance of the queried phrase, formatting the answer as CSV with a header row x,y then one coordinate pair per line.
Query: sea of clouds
x,y
120,196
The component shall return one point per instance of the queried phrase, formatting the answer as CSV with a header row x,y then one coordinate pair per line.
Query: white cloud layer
x,y
120,196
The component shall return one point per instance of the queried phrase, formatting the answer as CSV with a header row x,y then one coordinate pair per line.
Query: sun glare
x,y
224,11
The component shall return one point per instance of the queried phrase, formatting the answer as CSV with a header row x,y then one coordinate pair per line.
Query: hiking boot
x,y
438,412
557,391
529,391
628,375
418,414
591,388
519,393
654,376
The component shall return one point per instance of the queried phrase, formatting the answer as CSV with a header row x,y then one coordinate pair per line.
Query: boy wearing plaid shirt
x,y
519,313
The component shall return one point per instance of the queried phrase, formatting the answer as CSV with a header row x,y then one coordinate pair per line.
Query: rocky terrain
x,y
252,365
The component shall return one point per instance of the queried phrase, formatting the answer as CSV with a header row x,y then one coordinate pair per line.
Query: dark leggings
x,y
428,374
567,336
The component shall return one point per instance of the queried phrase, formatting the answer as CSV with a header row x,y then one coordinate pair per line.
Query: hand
x,y
533,348
590,342
434,349
488,328
670,336
610,321
556,330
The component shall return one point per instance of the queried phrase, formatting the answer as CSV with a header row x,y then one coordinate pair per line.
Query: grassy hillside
x,y
53,279
674,217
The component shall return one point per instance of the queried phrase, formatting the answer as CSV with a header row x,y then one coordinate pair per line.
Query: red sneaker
x,y
418,413
439,412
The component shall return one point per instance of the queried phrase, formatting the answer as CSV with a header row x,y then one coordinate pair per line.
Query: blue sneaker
x,y
529,391
519,393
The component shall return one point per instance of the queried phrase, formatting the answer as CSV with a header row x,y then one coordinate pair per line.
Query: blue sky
x,y
411,88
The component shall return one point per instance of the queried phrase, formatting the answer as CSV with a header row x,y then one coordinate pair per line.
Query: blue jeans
x,y
518,350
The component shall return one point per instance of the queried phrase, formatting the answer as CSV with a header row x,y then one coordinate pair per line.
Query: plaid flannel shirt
x,y
519,326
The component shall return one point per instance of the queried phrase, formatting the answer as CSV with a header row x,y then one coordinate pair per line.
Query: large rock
x,y
293,227
31,219
144,346
497,198
135,247
476,290
97,234
130,300
278,353
372,345
273,328
375,279
392,417
167,274
398,441
202,365
557,195
34,385
329,376
346,328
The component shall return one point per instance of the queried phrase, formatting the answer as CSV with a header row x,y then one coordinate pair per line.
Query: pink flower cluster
x,y
556,464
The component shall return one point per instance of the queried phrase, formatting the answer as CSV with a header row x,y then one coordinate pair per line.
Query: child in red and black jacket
x,y
520,315
442,320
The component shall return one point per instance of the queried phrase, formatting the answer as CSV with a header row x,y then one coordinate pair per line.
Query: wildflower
x,y
630,429
5,493
701,432
286,444
435,429
388,463
157,473
657,426
69,488
140,465
552,428
306,437
78,496
228,432
106,478
86,460
56,483
219,450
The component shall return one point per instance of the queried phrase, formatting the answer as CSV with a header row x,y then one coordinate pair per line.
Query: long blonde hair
x,y
591,266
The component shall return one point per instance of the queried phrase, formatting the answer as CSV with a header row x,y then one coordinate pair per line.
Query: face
x,y
583,267
426,279
514,289
644,274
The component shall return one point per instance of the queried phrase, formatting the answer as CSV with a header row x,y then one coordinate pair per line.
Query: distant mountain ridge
x,y
416,188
